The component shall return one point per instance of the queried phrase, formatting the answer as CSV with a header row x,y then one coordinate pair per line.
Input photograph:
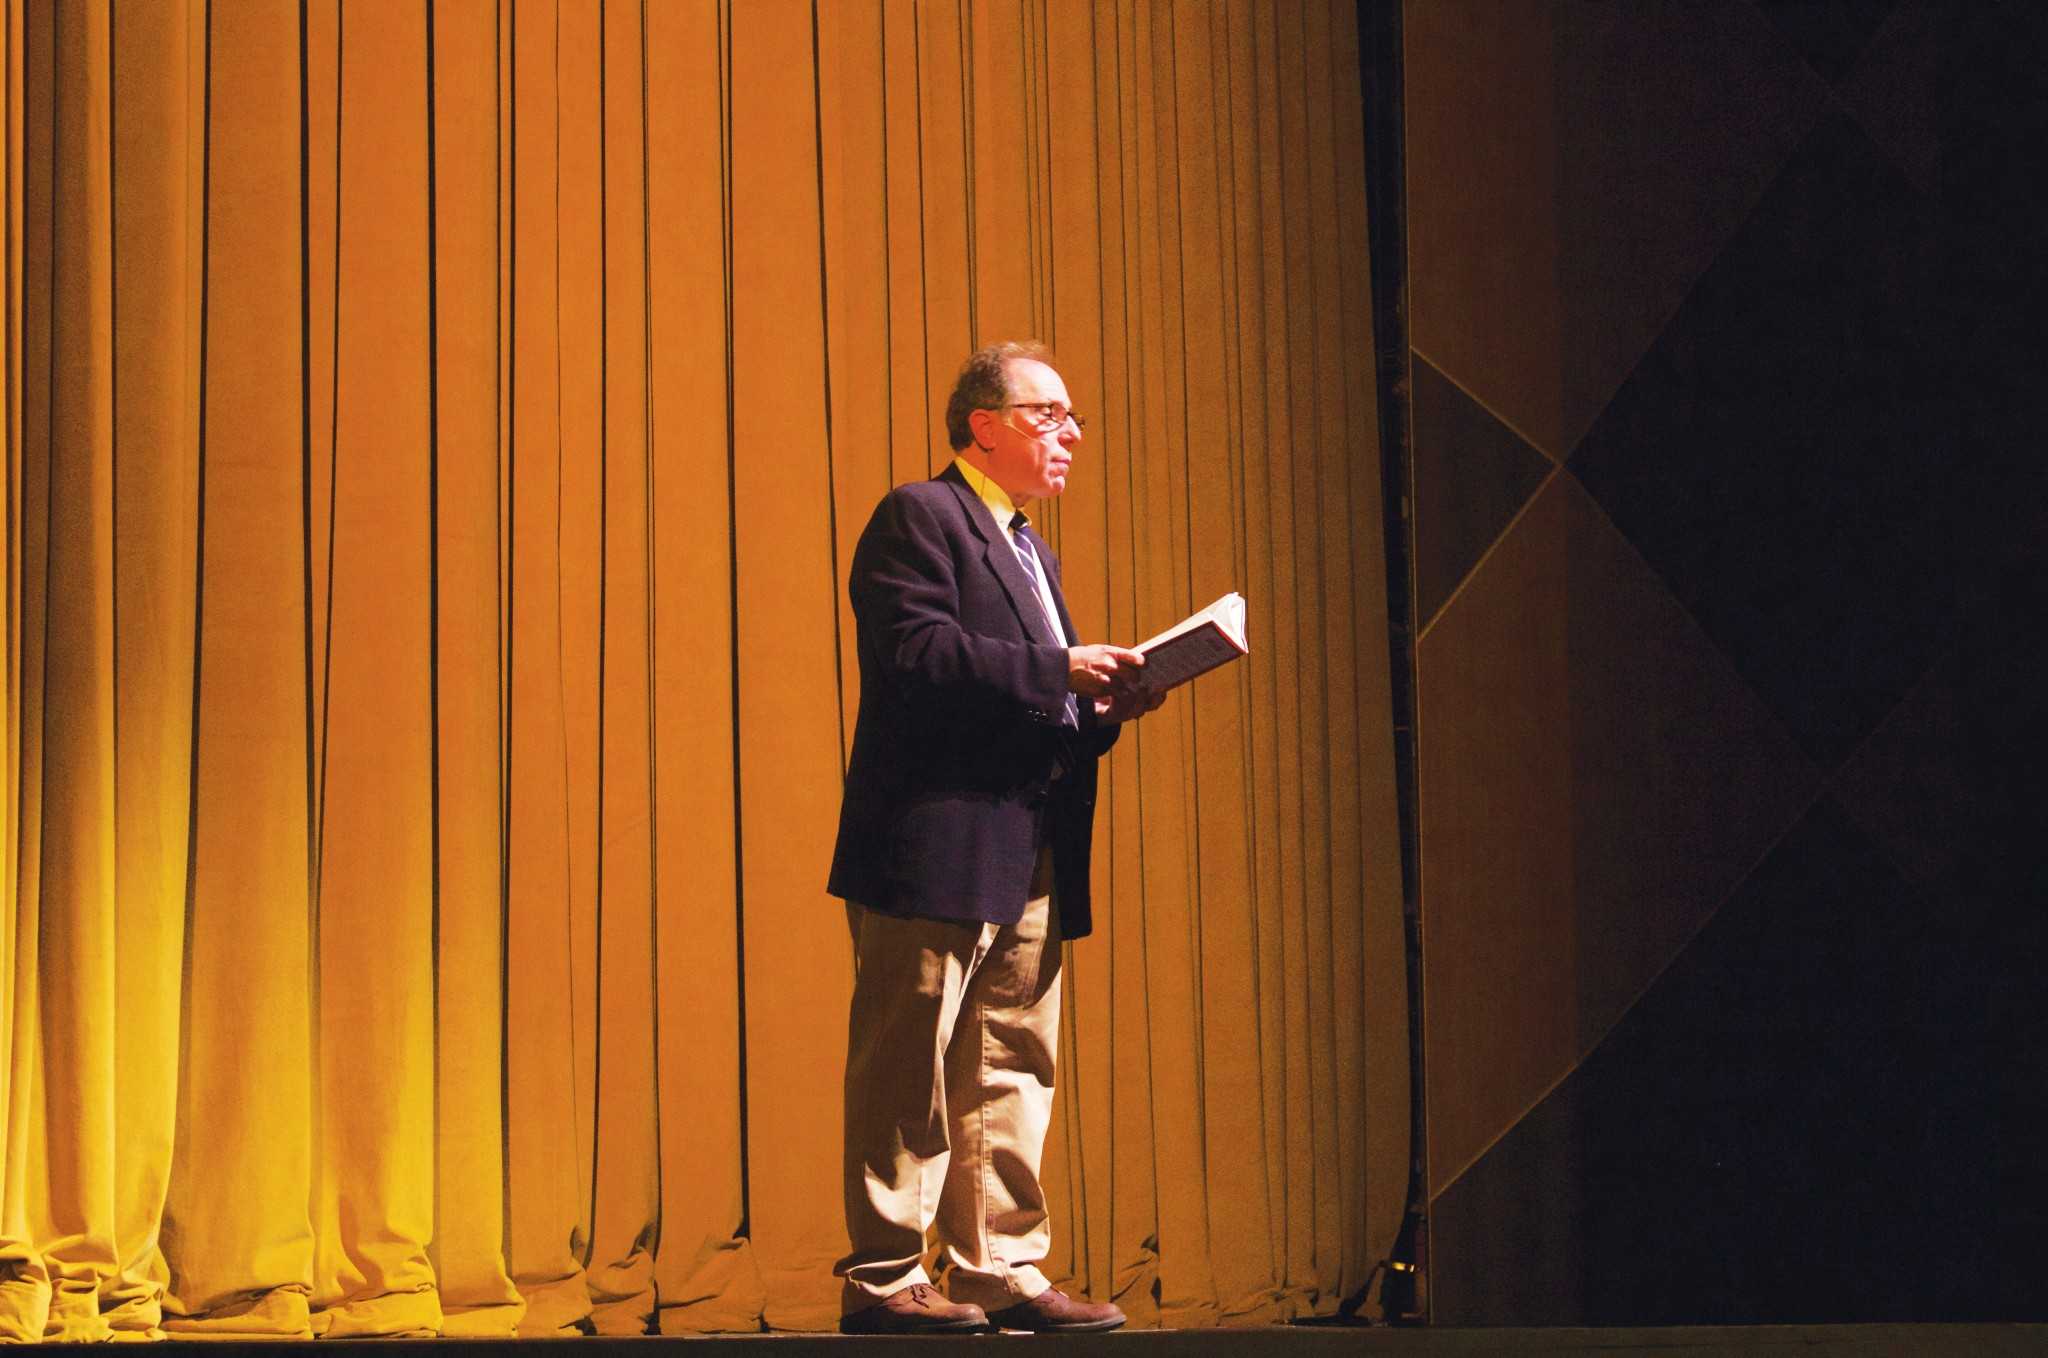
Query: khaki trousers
x,y
951,1045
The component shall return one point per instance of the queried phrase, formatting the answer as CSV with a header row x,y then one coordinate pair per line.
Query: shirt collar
x,y
1005,511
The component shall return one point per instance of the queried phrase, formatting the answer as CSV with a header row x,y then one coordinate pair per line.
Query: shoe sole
x,y
1091,1327
949,1327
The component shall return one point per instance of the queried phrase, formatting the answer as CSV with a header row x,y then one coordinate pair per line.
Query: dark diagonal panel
x,y
1818,1113
2001,474
1994,111
1472,474
1830,34
1892,91
1571,168
1594,778
1952,785
1782,456
1994,122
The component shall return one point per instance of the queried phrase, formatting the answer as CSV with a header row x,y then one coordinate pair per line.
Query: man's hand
x,y
1129,706
1101,671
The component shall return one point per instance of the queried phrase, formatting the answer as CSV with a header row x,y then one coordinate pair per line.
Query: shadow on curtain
x,y
436,434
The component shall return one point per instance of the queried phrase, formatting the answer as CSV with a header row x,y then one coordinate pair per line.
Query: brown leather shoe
x,y
917,1309
1054,1311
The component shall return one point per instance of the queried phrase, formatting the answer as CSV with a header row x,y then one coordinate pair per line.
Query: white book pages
x,y
1215,636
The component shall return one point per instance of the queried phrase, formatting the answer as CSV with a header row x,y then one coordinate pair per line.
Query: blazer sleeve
x,y
907,600
1096,735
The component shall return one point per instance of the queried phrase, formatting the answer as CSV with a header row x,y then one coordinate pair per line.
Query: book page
x,y
1185,656
1227,613
1196,645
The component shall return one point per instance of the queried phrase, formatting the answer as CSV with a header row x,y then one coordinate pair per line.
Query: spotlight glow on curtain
x,y
436,434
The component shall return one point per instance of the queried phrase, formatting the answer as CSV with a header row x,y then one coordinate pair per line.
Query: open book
x,y
1196,645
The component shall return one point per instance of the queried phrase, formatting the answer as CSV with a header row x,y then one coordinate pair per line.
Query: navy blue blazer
x,y
950,790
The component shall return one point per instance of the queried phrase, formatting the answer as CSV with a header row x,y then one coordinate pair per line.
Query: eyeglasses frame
x,y
1080,424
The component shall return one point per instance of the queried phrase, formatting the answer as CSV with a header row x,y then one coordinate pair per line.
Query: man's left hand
x,y
1129,704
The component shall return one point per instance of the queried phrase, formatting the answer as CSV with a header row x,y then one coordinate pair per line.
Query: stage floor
x,y
1773,1341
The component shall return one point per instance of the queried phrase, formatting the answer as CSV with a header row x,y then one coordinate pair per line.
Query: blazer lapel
x,y
1002,559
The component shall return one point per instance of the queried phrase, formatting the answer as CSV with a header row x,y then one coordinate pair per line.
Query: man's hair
x,y
984,384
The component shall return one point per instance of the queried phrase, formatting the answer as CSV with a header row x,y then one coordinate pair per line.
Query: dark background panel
x,y
1830,34
1475,476
1799,1123
1778,455
1825,1104
1594,779
1571,169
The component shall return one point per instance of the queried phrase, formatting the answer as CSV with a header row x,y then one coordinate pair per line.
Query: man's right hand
x,y
1100,670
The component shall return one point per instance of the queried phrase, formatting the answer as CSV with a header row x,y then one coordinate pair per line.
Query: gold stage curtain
x,y
436,436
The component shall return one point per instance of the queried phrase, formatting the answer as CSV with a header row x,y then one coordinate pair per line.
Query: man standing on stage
x,y
963,846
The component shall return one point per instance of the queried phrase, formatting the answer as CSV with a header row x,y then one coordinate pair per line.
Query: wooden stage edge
x,y
1773,1341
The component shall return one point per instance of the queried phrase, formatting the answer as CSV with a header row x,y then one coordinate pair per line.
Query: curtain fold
x,y
436,440
465,325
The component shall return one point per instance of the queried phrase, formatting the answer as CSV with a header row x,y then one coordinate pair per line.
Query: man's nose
x,y
1070,433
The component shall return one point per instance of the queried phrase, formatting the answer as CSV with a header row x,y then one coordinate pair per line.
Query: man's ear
x,y
983,425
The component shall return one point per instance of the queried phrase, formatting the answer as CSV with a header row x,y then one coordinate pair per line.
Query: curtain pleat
x,y
467,334
238,1222
373,715
72,1105
24,1282
706,1272
786,657
627,1212
437,436
546,877
155,519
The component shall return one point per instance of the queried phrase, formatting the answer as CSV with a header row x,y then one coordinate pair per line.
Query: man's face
x,y
1027,458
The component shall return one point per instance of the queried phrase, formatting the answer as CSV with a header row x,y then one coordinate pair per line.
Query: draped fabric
x,y
436,436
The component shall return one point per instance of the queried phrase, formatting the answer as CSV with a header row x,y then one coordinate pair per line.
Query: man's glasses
x,y
1047,416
